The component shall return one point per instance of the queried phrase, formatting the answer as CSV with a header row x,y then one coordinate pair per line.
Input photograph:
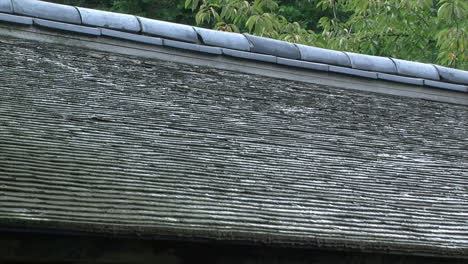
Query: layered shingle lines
x,y
365,66
117,144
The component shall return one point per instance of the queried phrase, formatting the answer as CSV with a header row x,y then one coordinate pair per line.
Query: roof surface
x,y
106,143
159,33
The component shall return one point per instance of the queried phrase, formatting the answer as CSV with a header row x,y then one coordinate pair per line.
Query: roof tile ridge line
x,y
394,64
199,37
251,45
79,13
440,76
347,56
300,53
139,21
396,67
12,7
141,25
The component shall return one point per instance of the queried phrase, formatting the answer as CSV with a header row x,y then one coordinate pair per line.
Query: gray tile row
x,y
303,64
168,30
273,47
245,46
400,79
372,63
16,19
6,6
67,27
131,37
222,39
97,18
192,47
452,75
332,57
416,69
45,10
249,55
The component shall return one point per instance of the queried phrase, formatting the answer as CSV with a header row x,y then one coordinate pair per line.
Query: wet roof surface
x,y
93,141
96,23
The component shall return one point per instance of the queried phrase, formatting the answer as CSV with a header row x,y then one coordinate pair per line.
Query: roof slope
x,y
159,33
98,142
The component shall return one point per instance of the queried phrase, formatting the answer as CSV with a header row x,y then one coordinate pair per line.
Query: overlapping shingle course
x,y
123,145
68,18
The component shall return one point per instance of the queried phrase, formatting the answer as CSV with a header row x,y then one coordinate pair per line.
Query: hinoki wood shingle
x,y
93,141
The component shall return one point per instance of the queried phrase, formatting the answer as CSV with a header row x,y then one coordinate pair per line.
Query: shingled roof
x,y
101,142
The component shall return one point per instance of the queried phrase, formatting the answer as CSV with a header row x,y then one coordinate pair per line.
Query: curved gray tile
x,y
416,69
109,20
168,30
314,54
273,47
371,63
5,6
223,39
452,75
45,10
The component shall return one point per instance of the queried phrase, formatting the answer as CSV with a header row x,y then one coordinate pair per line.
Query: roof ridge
x,y
155,32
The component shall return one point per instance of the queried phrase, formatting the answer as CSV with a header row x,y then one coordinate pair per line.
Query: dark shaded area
x,y
40,248
304,12
166,10
104,143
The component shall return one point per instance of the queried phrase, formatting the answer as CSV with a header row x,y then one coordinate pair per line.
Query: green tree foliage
x,y
423,30
304,12
432,31
258,17
167,10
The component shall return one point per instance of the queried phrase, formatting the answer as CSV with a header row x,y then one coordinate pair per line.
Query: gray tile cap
x,y
452,75
109,20
400,79
416,69
168,30
223,39
354,72
447,86
45,10
314,54
5,6
16,19
303,64
249,55
132,37
67,27
273,47
372,63
191,47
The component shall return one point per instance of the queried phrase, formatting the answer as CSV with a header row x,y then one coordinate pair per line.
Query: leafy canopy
x,y
422,30
433,31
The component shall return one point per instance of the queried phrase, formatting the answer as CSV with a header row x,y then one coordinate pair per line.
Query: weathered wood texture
x,y
98,142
